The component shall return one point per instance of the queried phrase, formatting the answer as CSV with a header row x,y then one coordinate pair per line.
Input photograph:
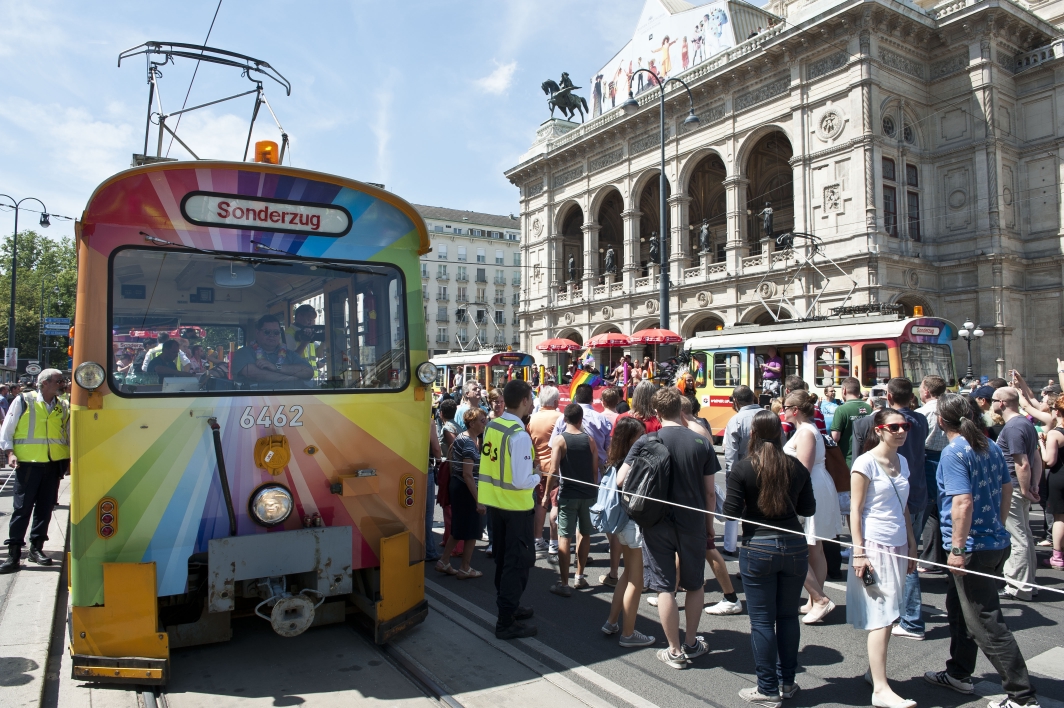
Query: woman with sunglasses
x,y
807,445
882,536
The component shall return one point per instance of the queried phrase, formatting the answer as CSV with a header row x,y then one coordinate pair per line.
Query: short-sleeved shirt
x,y
883,513
962,470
246,355
459,415
693,459
1020,438
540,427
769,373
842,422
159,361
464,448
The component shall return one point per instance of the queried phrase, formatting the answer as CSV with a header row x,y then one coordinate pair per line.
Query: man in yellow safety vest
x,y
506,482
296,337
36,438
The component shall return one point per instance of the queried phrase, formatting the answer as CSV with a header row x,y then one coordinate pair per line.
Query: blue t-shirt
x,y
964,471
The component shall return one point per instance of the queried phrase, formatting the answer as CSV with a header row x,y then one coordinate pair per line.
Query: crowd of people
x,y
958,472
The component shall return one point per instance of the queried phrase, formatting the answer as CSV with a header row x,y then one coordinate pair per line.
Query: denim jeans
x,y
976,622
911,600
773,572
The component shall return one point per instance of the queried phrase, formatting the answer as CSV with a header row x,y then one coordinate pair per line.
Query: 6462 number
x,y
278,419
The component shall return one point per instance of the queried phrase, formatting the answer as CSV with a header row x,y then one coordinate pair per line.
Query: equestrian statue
x,y
562,97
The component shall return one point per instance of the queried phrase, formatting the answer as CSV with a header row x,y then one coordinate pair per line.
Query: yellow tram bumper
x,y
120,641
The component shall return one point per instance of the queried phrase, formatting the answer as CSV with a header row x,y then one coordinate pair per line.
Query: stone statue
x,y
572,268
766,214
704,237
562,96
611,261
655,249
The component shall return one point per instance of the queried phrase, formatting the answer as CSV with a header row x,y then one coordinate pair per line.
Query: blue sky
x,y
434,99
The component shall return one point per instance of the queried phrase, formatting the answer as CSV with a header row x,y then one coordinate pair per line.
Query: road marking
x,y
1049,663
579,669
986,689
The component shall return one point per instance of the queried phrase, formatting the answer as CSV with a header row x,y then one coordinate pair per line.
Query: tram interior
x,y
211,303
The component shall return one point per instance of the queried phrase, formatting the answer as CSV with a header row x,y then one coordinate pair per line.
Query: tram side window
x,y
875,363
920,360
726,369
698,368
832,365
256,322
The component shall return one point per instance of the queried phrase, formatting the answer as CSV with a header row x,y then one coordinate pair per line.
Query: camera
x,y
315,333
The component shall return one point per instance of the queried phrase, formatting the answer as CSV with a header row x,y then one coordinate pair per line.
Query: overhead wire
x,y
193,80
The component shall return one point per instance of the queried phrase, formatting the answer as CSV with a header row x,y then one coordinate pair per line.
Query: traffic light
x,y
70,347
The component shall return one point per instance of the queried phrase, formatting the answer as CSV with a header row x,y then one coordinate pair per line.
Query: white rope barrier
x,y
726,517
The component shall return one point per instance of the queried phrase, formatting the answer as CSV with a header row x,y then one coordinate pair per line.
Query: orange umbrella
x,y
557,345
656,336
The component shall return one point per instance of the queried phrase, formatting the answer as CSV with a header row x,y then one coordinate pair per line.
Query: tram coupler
x,y
290,615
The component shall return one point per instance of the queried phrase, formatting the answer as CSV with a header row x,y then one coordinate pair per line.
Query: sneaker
x,y
608,580
725,607
561,590
515,630
788,690
636,639
541,548
652,601
581,583
611,628
900,631
700,648
666,657
1007,702
754,695
941,678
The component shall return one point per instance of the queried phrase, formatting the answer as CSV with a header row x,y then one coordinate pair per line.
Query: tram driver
x,y
771,372
266,361
167,363
305,336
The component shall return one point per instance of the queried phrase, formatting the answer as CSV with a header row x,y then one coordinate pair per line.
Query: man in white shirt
x,y
158,349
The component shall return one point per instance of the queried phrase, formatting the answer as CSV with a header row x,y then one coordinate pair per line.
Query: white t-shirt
x,y
883,514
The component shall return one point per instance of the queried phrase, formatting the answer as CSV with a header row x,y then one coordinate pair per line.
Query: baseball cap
x,y
986,392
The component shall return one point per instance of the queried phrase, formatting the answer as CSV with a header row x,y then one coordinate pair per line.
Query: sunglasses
x,y
272,332
895,427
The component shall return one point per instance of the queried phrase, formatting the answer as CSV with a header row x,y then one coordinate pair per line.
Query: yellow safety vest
x,y
495,486
293,345
156,351
41,436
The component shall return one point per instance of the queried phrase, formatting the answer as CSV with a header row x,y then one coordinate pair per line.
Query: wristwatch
x,y
278,366
957,551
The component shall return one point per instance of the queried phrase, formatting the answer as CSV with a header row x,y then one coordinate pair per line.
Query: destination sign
x,y
237,212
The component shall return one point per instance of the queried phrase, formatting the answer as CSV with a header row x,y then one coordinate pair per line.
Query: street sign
x,y
50,332
58,321
11,358
33,369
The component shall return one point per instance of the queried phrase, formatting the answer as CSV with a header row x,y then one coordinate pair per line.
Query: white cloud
x,y
498,81
382,128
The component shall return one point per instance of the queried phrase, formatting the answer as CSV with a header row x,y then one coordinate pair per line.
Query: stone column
x,y
680,236
629,265
591,257
736,248
867,130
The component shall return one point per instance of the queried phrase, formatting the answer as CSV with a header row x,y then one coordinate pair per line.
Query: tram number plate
x,y
278,419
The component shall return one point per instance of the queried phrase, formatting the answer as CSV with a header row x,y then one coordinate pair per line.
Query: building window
x,y
458,231
500,318
442,253
500,277
482,275
424,270
499,258
500,297
890,211
438,229
463,295
516,299
912,207
482,294
888,169
461,274
517,258
496,234
911,176
476,232
441,270
462,253
441,335
459,314
480,256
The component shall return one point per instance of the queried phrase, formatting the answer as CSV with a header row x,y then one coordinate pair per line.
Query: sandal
x,y
467,574
445,568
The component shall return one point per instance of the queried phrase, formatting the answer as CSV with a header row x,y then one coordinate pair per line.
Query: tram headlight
x,y
426,372
89,375
270,504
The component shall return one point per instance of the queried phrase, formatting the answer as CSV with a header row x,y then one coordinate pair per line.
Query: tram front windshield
x,y
920,360
257,323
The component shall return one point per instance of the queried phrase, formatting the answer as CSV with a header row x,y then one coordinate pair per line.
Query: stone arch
x,y
760,315
889,108
765,164
648,323
705,187
571,333
605,328
909,300
606,210
571,235
648,203
701,322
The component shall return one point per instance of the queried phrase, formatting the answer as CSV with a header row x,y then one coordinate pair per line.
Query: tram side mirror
x,y
234,275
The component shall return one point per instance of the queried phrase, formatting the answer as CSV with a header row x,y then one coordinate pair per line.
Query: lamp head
x,y
631,105
46,220
691,118
969,325
978,332
962,333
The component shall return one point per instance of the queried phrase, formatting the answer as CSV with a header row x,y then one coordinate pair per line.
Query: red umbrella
x,y
656,336
609,340
557,345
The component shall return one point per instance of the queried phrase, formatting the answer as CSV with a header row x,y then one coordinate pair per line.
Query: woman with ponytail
x,y
974,494
769,488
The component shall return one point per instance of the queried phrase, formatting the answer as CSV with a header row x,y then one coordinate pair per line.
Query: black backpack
x,y
649,479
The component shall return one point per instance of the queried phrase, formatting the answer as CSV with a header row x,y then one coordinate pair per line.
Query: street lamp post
x,y
968,332
40,328
45,223
630,107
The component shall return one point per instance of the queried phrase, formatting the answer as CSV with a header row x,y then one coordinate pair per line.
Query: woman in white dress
x,y
882,536
807,446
